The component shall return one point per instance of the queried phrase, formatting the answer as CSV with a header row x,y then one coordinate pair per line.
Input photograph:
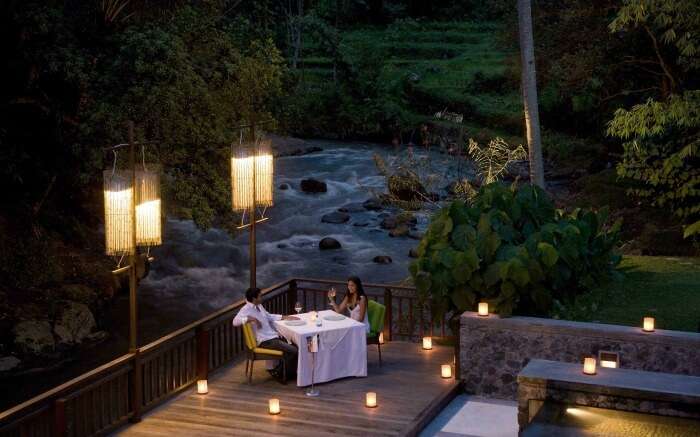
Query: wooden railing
x,y
122,390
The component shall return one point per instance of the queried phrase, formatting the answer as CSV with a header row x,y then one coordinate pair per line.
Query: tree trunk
x,y
529,85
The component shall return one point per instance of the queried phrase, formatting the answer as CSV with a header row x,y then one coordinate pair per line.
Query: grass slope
x,y
664,287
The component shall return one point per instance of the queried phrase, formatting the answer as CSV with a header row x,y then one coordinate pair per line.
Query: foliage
x,y
662,134
513,249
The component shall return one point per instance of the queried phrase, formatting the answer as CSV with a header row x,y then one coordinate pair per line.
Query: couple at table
x,y
355,300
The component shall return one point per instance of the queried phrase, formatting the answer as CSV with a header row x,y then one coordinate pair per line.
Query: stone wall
x,y
493,350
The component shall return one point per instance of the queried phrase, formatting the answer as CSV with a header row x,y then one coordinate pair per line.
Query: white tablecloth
x,y
342,348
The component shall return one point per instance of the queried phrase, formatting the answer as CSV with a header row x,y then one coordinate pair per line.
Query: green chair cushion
x,y
376,317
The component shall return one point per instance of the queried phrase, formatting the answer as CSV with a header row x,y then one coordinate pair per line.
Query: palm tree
x,y
529,85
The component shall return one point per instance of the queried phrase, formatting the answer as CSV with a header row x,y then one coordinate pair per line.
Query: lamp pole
x,y
253,255
133,309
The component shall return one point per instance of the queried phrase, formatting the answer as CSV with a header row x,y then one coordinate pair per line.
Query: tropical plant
x,y
510,247
493,160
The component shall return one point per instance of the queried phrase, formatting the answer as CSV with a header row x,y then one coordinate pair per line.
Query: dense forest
x,y
619,97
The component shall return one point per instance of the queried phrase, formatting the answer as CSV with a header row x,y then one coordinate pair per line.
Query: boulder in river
x,y
74,323
34,337
413,253
361,224
382,259
313,186
372,204
284,186
329,243
335,217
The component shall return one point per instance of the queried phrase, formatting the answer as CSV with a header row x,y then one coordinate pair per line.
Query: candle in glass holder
x,y
483,309
274,405
371,399
427,343
381,338
202,388
446,371
648,324
589,366
314,316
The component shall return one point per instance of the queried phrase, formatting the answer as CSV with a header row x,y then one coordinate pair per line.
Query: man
x,y
265,334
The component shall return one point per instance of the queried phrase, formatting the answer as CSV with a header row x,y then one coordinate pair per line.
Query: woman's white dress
x,y
355,314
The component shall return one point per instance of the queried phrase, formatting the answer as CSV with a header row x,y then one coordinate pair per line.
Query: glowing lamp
x,y
371,400
202,388
446,371
483,309
648,324
274,406
118,218
589,365
427,343
252,177
148,207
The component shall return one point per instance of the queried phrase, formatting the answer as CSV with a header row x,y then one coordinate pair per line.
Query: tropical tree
x,y
529,85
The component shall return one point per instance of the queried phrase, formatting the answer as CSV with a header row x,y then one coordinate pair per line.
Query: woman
x,y
354,300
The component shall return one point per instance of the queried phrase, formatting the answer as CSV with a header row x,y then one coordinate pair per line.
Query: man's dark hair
x,y
251,294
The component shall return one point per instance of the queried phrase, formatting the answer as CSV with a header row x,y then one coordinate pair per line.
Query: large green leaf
x,y
463,236
548,254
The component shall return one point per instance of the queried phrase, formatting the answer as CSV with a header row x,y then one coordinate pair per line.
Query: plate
x,y
294,322
334,317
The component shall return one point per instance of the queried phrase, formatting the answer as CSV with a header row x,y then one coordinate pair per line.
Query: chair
x,y
254,353
375,315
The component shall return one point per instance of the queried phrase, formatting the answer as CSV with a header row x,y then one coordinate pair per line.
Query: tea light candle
x,y
274,405
381,338
371,400
648,324
446,371
314,316
427,343
483,309
202,388
589,366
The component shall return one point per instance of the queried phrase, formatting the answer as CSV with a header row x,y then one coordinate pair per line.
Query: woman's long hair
x,y
360,290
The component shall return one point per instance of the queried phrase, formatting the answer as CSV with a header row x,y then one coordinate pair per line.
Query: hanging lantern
x,y
118,218
148,206
251,176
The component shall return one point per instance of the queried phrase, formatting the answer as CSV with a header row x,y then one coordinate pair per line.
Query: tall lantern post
x,y
251,187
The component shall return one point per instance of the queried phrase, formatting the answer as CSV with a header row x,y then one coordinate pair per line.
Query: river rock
x,y
405,186
74,323
329,243
413,253
313,186
382,259
9,363
399,231
335,217
352,207
361,224
391,222
34,337
284,186
372,204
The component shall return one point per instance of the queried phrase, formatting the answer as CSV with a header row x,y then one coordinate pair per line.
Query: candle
x,y
648,324
274,404
483,309
371,399
202,387
446,371
313,316
381,338
589,366
427,343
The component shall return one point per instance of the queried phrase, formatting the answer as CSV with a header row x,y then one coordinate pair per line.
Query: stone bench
x,y
618,389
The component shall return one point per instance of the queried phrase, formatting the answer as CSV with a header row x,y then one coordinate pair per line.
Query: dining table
x,y
335,347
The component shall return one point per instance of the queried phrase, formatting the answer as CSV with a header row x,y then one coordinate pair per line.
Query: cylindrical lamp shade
x,y
148,207
250,164
118,218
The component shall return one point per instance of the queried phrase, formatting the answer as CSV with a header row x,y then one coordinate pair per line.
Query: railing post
x,y
388,317
202,352
59,418
291,296
137,388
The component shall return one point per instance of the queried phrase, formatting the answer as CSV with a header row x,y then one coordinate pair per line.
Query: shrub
x,y
510,247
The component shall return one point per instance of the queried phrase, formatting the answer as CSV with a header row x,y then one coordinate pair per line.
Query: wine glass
x,y
298,307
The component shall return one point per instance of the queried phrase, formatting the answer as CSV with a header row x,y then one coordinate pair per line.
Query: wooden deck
x,y
409,388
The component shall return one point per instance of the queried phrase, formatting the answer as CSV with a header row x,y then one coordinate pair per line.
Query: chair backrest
x,y
249,336
376,317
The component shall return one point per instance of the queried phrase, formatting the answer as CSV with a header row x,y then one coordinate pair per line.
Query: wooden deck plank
x,y
406,386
